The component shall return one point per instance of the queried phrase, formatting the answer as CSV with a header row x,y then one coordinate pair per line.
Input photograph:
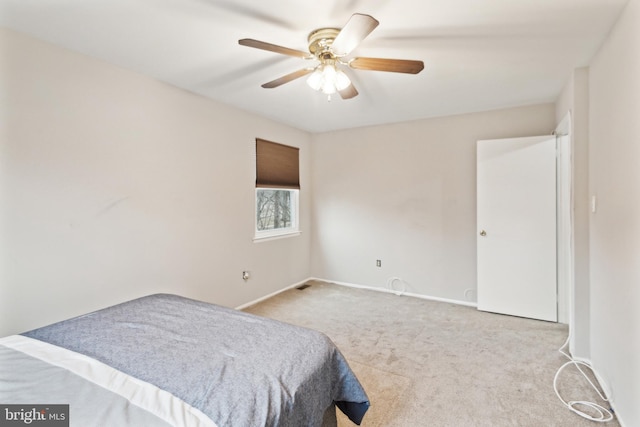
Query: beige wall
x,y
614,159
113,185
406,194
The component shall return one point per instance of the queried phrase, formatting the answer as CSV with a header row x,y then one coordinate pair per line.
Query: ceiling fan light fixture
x,y
328,79
315,79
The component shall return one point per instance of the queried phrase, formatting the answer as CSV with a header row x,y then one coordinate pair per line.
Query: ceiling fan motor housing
x,y
320,42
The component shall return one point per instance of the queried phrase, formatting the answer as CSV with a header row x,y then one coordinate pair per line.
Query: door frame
x,y
566,246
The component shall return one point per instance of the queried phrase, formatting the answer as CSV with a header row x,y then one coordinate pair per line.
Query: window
x,y
276,212
277,187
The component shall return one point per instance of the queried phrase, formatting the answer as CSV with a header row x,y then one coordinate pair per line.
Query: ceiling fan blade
x,y
287,78
355,30
349,92
383,64
274,48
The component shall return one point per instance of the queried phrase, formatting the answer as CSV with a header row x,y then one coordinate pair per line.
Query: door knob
x,y
483,233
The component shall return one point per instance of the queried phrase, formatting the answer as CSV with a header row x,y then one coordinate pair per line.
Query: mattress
x,y
169,360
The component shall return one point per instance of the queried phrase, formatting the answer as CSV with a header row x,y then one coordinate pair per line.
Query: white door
x,y
516,241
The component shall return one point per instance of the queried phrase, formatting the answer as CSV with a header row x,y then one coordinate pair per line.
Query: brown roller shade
x,y
277,165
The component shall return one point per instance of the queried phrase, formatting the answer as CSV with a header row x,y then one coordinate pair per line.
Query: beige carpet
x,y
426,363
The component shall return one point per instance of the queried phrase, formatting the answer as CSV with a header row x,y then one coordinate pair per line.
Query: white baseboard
x,y
353,285
390,291
250,303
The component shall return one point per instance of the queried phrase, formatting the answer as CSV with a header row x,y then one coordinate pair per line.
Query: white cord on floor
x,y
391,287
603,415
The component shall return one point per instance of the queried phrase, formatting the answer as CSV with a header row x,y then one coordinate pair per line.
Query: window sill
x,y
266,238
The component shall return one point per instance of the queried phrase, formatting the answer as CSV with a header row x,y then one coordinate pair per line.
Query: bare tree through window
x,y
273,209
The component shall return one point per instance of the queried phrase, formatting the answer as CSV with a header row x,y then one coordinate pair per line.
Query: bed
x,y
165,360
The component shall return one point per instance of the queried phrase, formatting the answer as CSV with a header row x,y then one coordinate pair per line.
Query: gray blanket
x,y
237,368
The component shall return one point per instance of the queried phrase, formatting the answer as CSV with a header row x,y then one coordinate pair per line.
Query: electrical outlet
x,y
378,263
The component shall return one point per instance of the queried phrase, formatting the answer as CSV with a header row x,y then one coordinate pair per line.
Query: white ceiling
x,y
478,54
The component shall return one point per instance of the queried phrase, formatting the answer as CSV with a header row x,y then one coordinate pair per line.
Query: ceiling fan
x,y
330,47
